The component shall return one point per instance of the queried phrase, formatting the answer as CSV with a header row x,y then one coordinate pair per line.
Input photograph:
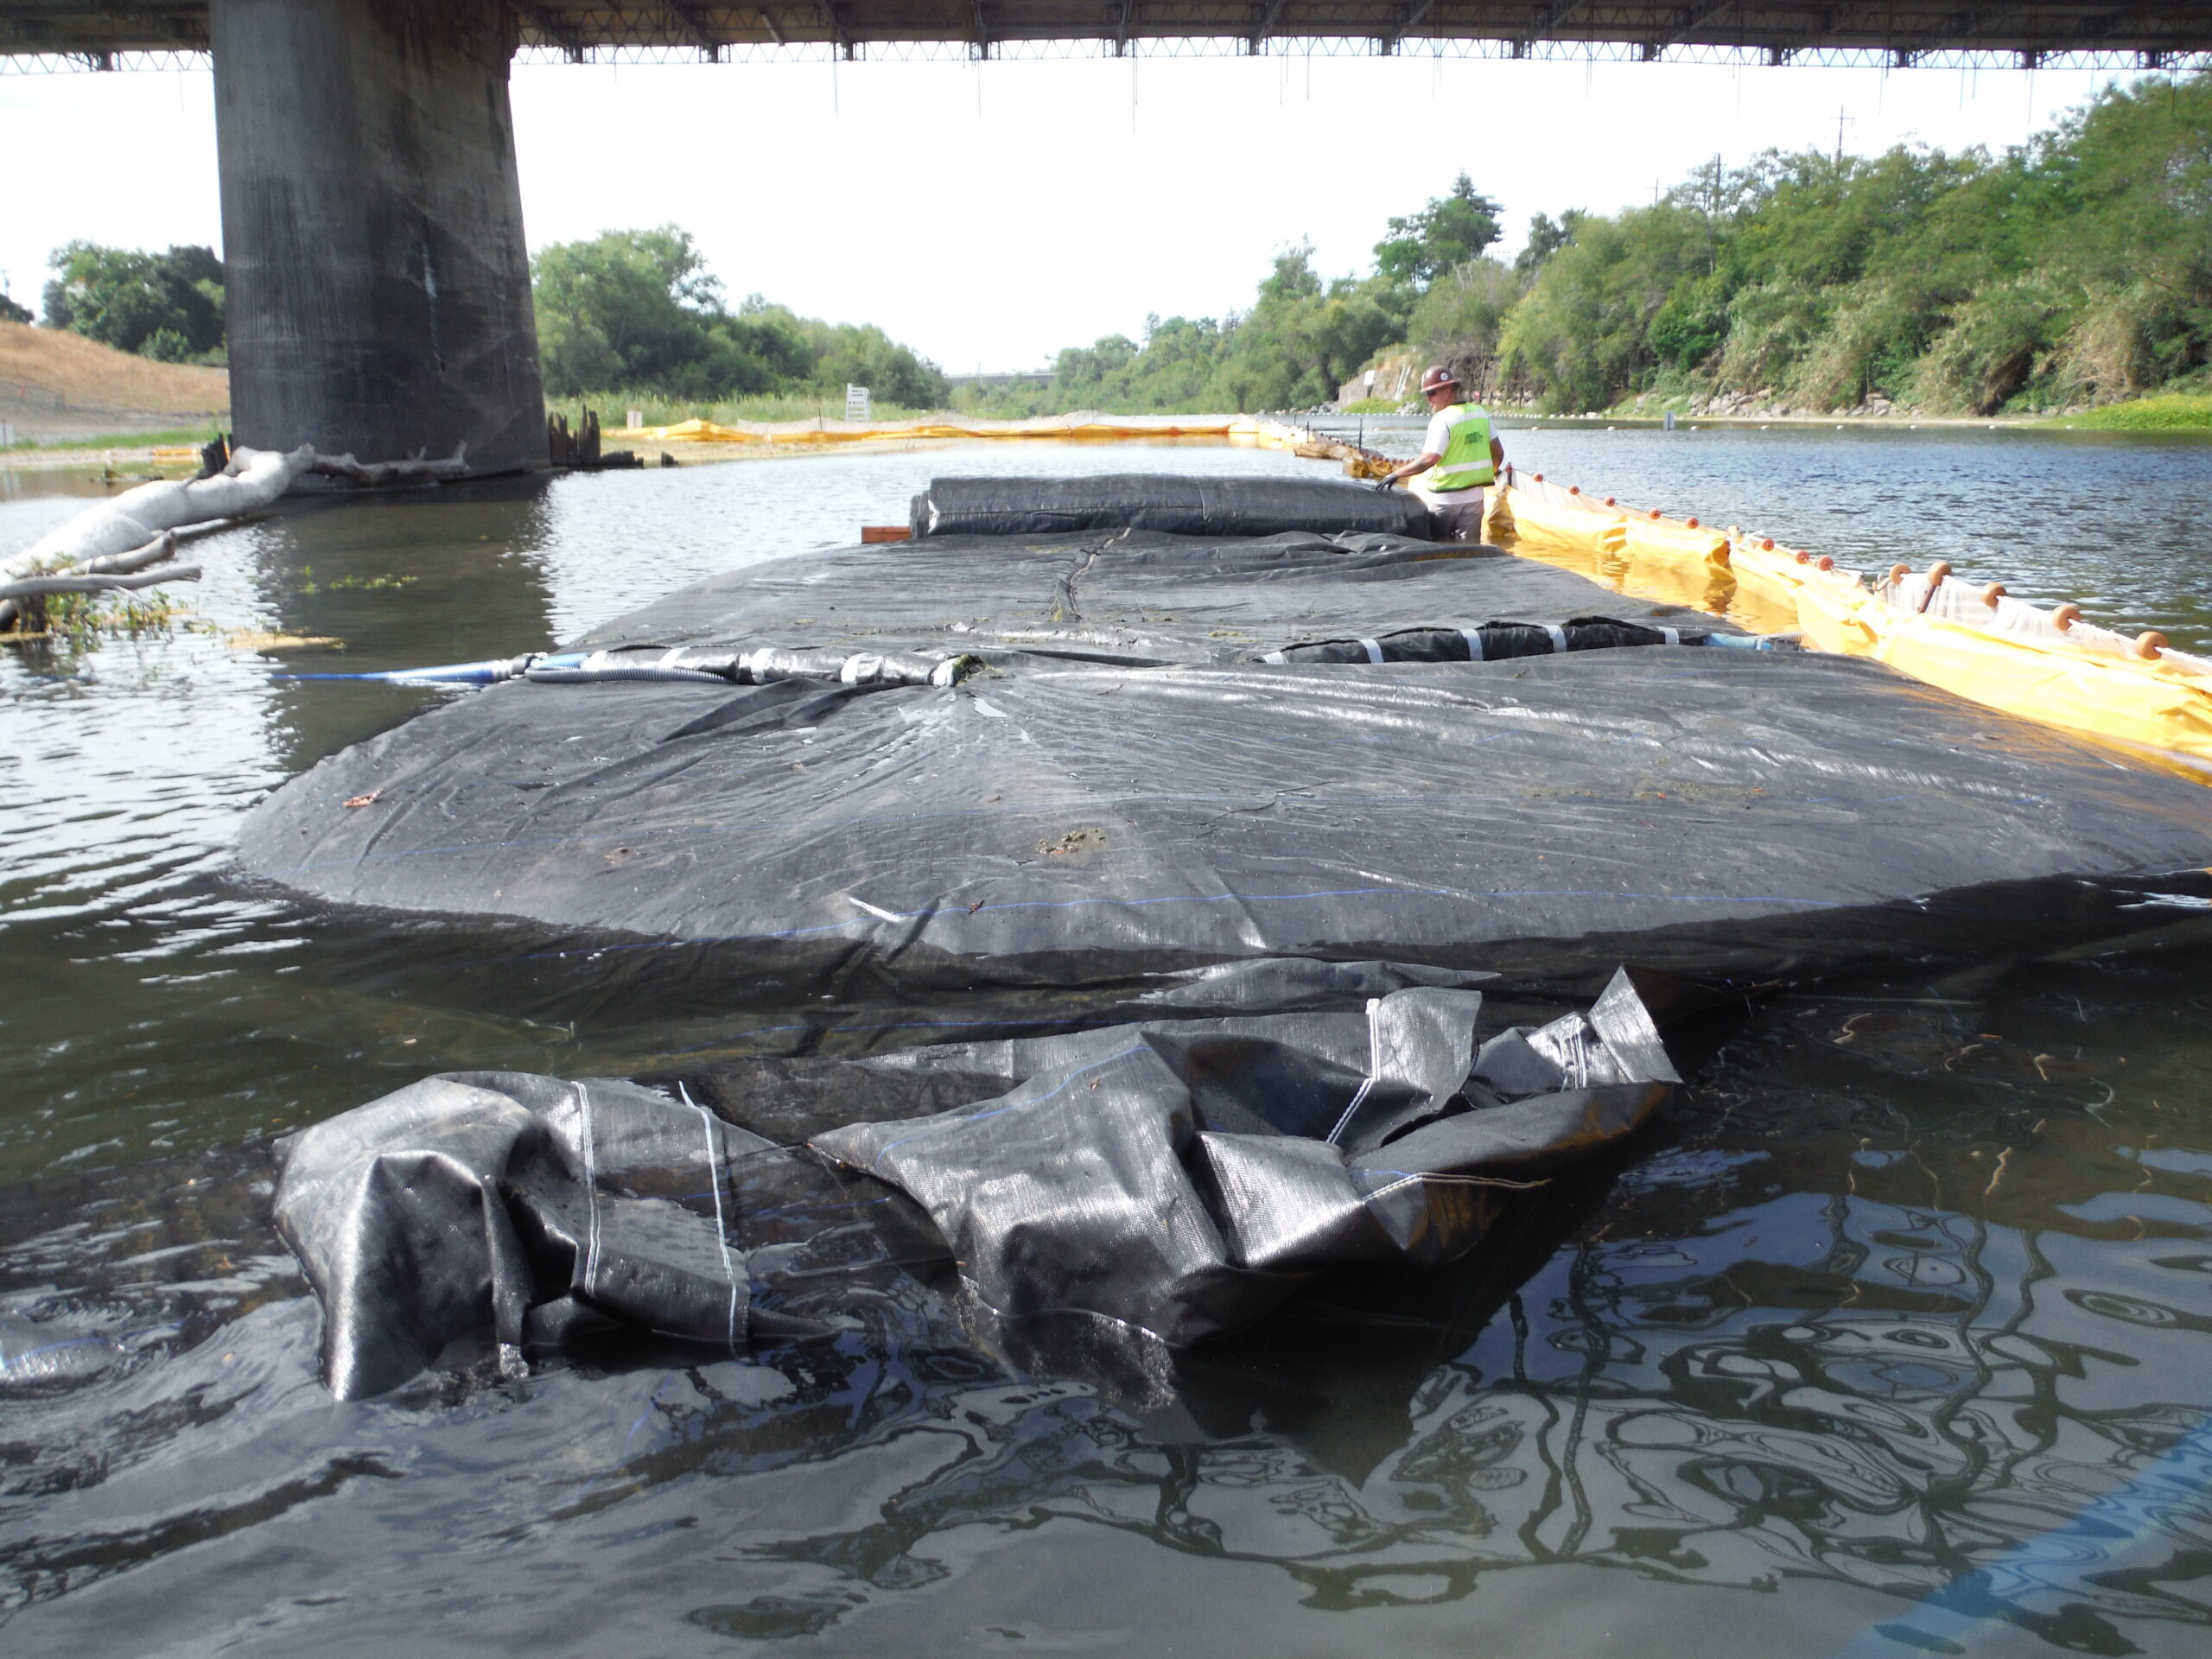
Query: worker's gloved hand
x,y
1386,483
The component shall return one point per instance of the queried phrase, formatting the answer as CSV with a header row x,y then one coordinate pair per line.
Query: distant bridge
x,y
378,276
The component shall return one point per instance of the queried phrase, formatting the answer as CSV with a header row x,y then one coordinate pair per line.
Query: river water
x,y
1897,1339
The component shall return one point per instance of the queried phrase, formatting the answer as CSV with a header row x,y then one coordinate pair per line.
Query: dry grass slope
x,y
52,381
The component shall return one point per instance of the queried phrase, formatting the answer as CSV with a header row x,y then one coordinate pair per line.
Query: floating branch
x,y
392,472
46,587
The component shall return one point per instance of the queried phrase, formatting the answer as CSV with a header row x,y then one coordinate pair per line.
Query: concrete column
x,y
378,280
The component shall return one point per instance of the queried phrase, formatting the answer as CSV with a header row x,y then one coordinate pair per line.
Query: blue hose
x,y
486,673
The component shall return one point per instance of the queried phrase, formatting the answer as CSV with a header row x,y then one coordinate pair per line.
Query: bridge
x,y
378,279
1003,378
2080,33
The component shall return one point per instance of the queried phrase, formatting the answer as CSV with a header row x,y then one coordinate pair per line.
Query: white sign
x,y
856,403
637,419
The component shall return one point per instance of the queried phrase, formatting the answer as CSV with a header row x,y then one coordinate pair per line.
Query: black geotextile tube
x,y
1130,787
1489,643
1175,506
1177,1177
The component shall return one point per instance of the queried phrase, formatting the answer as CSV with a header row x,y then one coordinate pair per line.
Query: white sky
x,y
989,214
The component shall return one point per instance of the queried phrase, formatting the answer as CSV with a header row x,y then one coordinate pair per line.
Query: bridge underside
x,y
1902,32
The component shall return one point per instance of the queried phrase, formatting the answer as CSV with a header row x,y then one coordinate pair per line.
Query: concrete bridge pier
x,y
378,282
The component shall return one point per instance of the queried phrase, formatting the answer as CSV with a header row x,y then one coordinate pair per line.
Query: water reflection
x,y
432,578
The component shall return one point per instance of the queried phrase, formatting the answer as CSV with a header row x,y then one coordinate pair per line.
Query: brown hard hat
x,y
1438,375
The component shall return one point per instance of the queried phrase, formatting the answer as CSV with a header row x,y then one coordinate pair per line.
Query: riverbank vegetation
x,y
632,318
2074,269
2071,271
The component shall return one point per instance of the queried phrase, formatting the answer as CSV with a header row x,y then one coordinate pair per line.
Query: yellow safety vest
x,y
1467,463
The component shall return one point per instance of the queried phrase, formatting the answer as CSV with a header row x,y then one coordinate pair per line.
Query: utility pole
x,y
1840,118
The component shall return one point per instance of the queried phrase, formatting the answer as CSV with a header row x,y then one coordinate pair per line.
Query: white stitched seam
x,y
721,1228
1358,1101
1374,1070
591,1182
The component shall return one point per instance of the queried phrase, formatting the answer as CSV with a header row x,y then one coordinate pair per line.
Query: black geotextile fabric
x,y
1128,787
1174,504
1178,1179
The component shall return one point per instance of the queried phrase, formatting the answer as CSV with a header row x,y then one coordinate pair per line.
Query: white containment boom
x,y
254,479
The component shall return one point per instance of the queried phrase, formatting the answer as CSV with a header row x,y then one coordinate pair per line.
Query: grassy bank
x,y
2172,411
163,440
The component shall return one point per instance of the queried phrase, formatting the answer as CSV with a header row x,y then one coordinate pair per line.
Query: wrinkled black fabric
x,y
1180,1177
1185,1179
1174,504
1127,789
513,1202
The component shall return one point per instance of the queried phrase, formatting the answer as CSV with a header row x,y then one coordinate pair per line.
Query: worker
x,y
1459,453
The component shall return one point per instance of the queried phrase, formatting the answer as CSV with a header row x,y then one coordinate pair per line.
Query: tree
x,y
1451,230
165,305
1457,320
1546,237
1582,335
10,312
861,354
1303,336
640,309
1089,365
